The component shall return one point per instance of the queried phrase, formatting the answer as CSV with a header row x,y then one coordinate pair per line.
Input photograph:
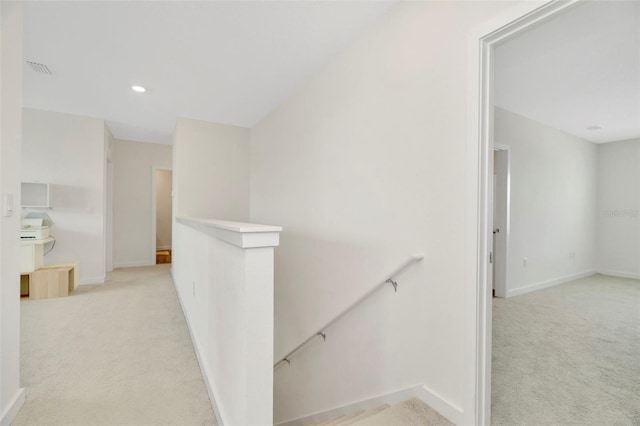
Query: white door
x,y
500,222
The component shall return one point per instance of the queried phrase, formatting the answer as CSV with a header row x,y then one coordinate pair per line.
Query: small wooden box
x,y
163,256
51,281
25,278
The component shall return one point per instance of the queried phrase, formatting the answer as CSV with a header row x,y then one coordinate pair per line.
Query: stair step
x,y
333,421
340,420
365,415
408,413
325,422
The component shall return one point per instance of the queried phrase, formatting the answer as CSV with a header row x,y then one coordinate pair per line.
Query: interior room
x,y
566,235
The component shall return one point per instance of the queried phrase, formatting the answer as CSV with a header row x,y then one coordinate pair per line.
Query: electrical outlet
x,y
525,261
194,288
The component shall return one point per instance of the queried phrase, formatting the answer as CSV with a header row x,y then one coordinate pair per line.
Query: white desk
x,y
31,254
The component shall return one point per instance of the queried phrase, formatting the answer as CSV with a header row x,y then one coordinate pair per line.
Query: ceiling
x,y
577,70
228,62
232,62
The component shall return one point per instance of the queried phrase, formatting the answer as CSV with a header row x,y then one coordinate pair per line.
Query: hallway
x,y
112,354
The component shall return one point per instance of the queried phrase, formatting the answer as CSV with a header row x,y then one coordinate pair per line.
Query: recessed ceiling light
x,y
138,89
594,127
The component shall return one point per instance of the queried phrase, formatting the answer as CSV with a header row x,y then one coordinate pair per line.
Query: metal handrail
x,y
322,333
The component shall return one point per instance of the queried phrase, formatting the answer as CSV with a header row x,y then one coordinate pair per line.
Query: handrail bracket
x,y
322,333
393,283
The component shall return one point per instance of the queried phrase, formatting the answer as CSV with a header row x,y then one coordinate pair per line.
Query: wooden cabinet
x,y
49,281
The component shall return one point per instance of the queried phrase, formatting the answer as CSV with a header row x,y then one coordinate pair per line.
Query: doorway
x,y
482,43
162,220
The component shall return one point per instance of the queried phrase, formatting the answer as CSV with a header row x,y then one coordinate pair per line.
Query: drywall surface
x,y
11,395
553,207
364,166
163,209
224,279
619,208
211,170
211,180
108,198
133,164
68,151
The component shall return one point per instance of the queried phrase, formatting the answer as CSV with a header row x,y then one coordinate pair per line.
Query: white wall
x,y
133,175
211,180
224,279
364,166
163,209
69,152
11,395
619,208
553,203
211,170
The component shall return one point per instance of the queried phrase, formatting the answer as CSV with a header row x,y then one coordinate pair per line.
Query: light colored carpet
x,y
568,355
113,354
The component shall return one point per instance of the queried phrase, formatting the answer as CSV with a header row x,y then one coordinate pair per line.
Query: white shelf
x,y
36,195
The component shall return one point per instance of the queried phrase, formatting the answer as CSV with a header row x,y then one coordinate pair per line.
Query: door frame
x,y
479,222
503,185
109,217
154,202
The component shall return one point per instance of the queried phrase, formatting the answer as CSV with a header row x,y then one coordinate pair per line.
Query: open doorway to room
x,y
162,206
567,104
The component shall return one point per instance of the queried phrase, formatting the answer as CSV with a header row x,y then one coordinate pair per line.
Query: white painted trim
x,y
10,413
135,264
240,227
442,406
155,169
204,369
109,216
477,300
243,235
549,283
92,280
619,274
163,248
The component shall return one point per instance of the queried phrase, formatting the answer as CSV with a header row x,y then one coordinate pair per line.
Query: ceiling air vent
x,y
38,67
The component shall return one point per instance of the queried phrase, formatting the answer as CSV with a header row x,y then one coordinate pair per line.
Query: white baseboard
x,y
92,280
12,409
204,369
619,274
549,283
442,406
135,264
